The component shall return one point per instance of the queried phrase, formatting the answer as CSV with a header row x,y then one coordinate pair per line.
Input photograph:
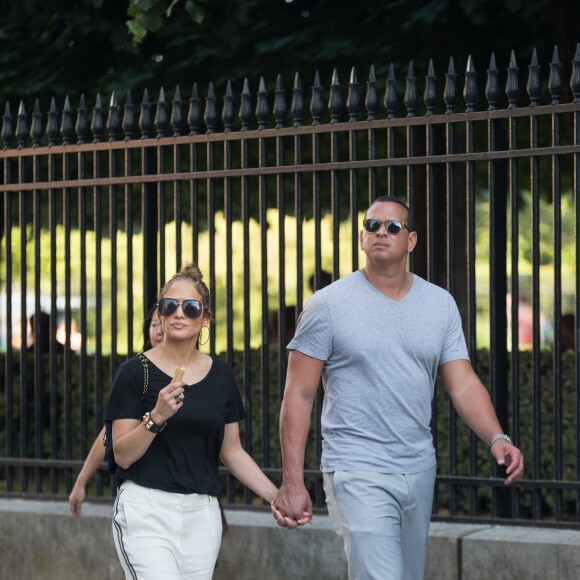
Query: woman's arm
x,y
243,467
131,439
94,459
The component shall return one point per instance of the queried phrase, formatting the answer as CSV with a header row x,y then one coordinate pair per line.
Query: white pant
x,y
383,520
166,536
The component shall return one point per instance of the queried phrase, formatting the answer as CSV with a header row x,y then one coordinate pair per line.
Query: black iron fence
x,y
102,204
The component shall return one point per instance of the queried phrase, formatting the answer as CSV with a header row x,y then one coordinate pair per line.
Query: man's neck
x,y
393,285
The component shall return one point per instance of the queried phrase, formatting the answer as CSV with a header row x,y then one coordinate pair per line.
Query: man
x,y
378,338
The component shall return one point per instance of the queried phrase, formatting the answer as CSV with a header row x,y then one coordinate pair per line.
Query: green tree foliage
x,y
150,15
53,48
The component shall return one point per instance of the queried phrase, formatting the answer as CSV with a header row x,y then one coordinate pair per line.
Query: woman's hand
x,y
170,400
76,498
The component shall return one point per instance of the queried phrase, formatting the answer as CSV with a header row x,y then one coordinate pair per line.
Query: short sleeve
x,y
314,330
125,401
454,346
235,410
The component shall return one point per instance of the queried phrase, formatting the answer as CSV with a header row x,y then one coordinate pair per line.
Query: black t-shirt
x,y
184,457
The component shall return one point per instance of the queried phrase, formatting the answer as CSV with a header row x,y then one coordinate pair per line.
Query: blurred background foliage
x,y
120,290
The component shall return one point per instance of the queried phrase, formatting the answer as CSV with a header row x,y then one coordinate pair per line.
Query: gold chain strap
x,y
145,362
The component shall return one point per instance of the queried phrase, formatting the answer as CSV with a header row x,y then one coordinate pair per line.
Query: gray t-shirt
x,y
382,357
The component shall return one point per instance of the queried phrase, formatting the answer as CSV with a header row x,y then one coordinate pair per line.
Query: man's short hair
x,y
393,199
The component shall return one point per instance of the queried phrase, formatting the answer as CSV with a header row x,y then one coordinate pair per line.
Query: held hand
x,y
293,506
507,454
75,499
286,522
170,400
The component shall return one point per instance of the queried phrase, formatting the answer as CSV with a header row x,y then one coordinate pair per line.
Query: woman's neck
x,y
180,353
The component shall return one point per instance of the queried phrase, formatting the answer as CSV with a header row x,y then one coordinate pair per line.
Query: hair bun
x,y
190,270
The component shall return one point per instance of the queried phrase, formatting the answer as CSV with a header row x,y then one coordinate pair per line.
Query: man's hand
x,y
292,506
507,454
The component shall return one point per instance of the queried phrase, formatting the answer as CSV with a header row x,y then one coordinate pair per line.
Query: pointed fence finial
x,y
21,126
316,104
470,92
262,109
575,77
113,118
391,93
372,96
176,118
512,89
97,122
128,122
210,113
7,129
145,116
410,99
450,90
52,122
297,106
82,122
555,80
36,125
279,103
430,94
492,92
193,114
245,113
534,86
335,99
160,120
228,114
67,130
353,96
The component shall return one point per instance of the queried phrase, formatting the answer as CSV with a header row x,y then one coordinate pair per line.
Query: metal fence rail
x,y
101,206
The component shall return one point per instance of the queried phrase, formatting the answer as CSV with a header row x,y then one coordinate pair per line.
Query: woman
x,y
152,330
166,521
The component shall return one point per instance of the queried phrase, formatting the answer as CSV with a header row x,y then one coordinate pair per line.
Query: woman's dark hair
x,y
146,324
393,199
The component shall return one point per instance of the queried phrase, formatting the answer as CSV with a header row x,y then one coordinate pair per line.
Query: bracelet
x,y
151,426
500,436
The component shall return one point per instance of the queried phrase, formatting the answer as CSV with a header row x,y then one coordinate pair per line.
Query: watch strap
x,y
150,425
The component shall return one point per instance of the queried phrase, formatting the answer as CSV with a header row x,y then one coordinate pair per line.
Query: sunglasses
x,y
191,308
392,226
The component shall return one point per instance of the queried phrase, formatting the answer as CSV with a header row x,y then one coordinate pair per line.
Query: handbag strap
x,y
145,362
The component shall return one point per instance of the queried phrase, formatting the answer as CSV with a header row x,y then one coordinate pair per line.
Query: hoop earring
x,y
199,342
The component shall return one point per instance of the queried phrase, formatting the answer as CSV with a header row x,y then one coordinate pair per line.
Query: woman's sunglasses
x,y
392,226
191,308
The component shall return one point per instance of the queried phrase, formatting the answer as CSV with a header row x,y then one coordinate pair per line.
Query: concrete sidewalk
x,y
40,540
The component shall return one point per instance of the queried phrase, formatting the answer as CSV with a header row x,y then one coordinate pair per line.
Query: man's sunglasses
x,y
392,226
191,308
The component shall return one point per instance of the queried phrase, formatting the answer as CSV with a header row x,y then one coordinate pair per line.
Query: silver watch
x,y
500,436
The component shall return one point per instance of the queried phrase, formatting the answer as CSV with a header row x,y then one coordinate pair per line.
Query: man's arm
x,y
473,404
302,380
